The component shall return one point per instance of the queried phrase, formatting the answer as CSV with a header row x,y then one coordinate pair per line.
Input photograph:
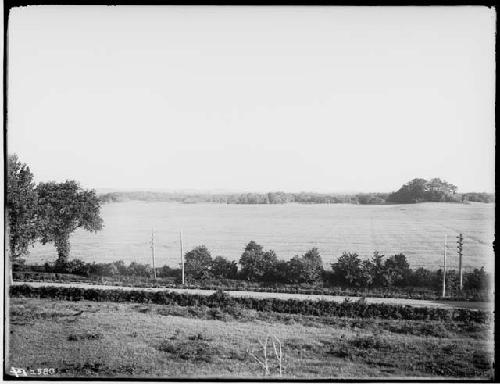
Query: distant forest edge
x,y
415,191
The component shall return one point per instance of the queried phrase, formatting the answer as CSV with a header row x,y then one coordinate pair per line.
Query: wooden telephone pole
x,y
444,268
182,257
153,251
459,246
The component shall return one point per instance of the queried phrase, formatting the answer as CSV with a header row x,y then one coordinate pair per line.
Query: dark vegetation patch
x,y
176,310
199,336
432,329
218,314
197,347
455,359
141,309
22,315
303,348
198,312
440,329
195,350
84,336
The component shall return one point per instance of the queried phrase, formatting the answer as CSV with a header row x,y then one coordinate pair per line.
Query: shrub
x,y
84,336
195,350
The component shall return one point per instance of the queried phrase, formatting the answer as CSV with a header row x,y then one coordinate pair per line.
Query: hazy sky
x,y
248,98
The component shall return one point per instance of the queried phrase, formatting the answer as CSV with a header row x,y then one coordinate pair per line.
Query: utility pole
x,y
182,257
153,251
459,246
444,267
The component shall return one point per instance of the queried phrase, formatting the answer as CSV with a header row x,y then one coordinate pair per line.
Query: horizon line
x,y
214,191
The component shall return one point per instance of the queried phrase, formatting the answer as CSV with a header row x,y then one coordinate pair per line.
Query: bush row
x,y
263,269
41,276
238,285
222,300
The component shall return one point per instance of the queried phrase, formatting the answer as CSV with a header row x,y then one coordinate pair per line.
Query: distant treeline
x,y
245,198
259,266
415,191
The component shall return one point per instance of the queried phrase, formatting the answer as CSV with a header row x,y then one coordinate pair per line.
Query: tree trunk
x,y
63,247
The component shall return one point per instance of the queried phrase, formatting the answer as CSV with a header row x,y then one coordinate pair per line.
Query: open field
x,y
285,296
122,334
417,230
82,339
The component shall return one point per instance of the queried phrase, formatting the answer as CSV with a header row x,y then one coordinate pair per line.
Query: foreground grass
x,y
81,339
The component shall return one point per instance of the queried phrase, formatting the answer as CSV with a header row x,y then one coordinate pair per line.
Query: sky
x,y
326,99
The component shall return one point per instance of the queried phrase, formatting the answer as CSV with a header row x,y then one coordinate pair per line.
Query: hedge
x,y
291,306
409,293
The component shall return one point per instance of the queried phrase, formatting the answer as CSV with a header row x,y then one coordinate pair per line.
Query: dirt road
x,y
285,296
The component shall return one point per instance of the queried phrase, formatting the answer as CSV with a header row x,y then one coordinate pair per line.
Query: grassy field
x,y
82,339
417,230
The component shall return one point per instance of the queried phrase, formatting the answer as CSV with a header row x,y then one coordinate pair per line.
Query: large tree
x,y
412,192
64,207
313,266
377,270
396,270
306,269
347,269
418,190
294,272
198,263
440,190
21,204
256,264
223,268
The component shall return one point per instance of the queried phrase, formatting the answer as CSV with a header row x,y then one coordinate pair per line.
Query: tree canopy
x,y
223,268
62,208
306,269
48,212
350,270
198,263
419,190
347,269
257,264
21,205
